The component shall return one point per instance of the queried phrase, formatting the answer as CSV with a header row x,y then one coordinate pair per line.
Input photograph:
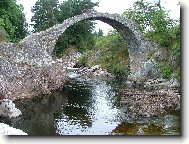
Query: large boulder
x,y
147,66
94,68
7,130
159,56
8,109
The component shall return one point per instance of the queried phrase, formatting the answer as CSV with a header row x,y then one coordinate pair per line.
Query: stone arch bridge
x,y
137,46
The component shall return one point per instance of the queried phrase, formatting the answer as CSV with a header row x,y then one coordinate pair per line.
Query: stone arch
x,y
137,46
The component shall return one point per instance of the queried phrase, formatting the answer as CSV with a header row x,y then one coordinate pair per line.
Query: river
x,y
88,106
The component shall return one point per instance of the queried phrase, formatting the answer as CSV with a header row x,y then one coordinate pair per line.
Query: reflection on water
x,y
87,107
90,109
38,114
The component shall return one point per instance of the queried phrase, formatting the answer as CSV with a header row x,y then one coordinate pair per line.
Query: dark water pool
x,y
88,107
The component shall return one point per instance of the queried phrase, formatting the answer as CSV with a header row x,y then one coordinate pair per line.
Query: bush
x,y
114,54
118,69
155,23
178,74
3,35
83,60
167,71
110,52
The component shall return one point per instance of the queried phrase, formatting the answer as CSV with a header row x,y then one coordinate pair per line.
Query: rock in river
x,y
7,130
8,109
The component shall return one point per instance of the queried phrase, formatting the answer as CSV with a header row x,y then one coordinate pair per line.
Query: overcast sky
x,y
110,6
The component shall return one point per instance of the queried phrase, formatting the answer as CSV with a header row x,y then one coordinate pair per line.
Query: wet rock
x,y
94,70
73,75
158,81
8,109
96,67
148,65
155,72
77,65
158,56
173,60
1,97
173,82
7,130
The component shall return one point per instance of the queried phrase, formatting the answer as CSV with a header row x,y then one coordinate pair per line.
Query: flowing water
x,y
88,106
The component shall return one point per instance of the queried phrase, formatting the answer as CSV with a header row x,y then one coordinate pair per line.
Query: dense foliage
x,y
3,32
156,25
154,21
50,12
111,52
79,34
45,14
13,26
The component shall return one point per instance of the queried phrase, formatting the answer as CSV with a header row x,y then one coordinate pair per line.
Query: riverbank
x,y
47,78
85,106
150,102
156,97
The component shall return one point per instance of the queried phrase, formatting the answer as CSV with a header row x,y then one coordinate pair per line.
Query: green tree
x,y
111,52
154,21
3,33
79,34
49,12
45,14
98,33
13,20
